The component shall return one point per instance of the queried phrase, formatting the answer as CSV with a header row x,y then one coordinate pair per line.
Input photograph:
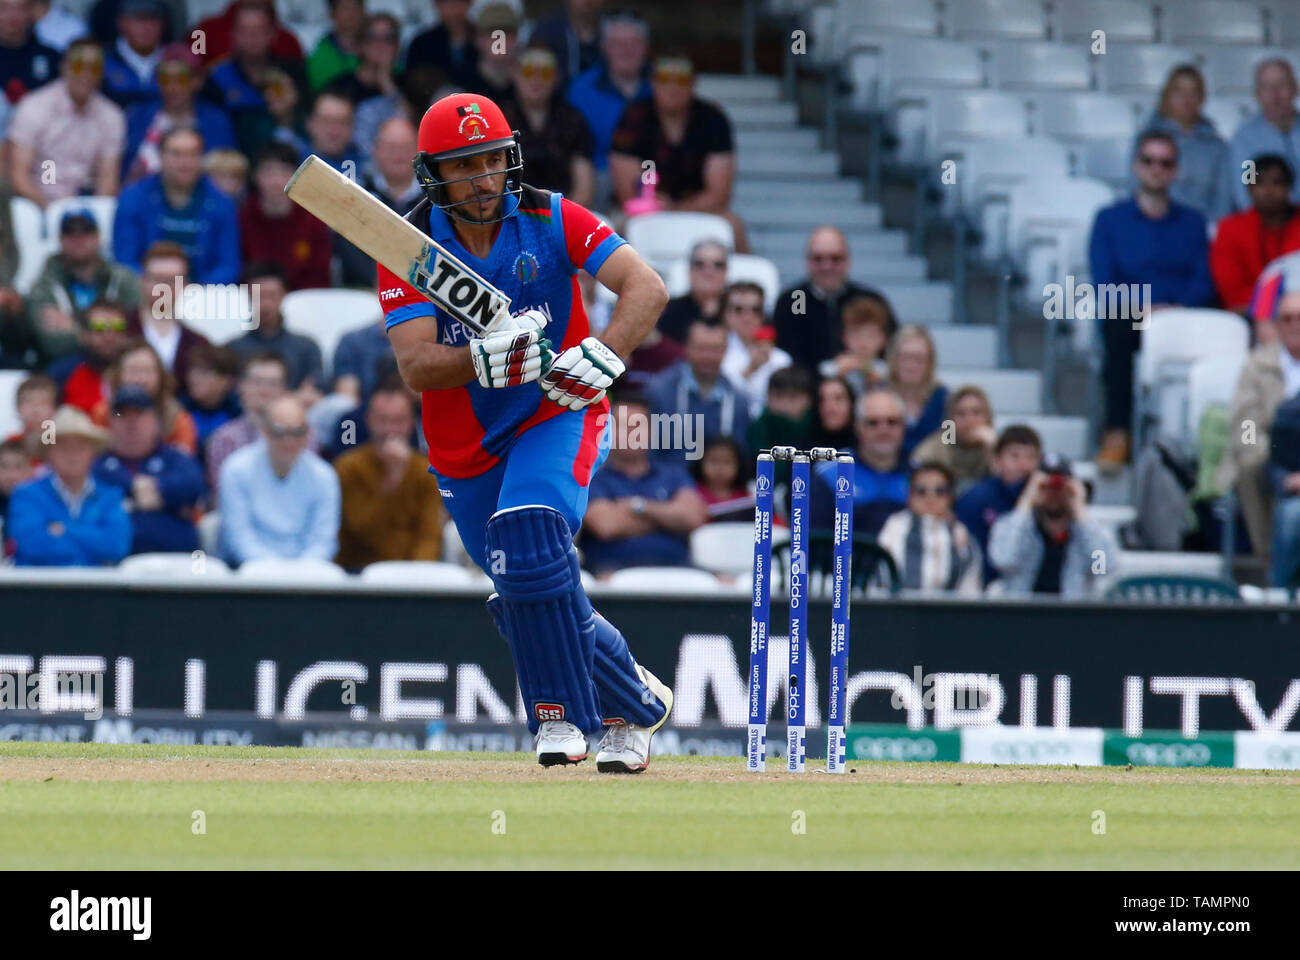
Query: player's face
x,y
479,179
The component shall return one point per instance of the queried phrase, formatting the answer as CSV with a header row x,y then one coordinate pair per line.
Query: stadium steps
x,y
1064,435
966,346
1010,391
755,190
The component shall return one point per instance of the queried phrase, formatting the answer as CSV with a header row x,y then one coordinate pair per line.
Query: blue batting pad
x,y
544,615
622,694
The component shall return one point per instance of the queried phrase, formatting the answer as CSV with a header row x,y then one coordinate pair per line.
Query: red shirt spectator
x,y
273,228
1248,241
218,30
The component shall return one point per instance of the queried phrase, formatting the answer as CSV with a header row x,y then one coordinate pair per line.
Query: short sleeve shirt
x,y
680,166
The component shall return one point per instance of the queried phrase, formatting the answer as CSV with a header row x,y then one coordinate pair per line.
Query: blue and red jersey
x,y
542,243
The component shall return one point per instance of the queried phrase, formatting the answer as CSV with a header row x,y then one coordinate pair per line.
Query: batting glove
x,y
579,376
513,353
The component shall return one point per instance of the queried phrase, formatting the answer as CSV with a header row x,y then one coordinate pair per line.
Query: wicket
x,y
760,615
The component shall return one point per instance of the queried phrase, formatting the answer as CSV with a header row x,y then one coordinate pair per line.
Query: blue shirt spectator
x,y
364,357
1273,130
205,223
603,91
881,474
141,118
1171,252
26,65
695,388
129,76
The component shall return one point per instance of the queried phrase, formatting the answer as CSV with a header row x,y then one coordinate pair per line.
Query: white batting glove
x,y
513,353
579,376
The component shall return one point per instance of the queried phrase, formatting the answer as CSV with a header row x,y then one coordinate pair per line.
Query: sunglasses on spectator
x,y
87,63
537,71
1150,161
826,257
708,264
882,422
173,74
680,78
940,491
279,432
102,324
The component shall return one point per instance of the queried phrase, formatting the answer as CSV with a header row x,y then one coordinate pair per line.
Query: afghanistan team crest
x,y
472,124
526,267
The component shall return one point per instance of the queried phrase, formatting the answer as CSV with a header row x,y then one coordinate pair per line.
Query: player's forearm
x,y
640,303
433,366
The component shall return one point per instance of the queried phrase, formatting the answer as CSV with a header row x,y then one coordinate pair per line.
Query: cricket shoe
x,y
625,747
560,742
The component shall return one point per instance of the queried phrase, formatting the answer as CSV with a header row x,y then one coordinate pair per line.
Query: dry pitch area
x,y
115,807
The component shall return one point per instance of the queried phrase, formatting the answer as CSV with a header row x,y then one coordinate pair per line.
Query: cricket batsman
x,y
517,421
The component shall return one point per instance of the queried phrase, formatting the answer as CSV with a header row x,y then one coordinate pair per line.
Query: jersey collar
x,y
440,224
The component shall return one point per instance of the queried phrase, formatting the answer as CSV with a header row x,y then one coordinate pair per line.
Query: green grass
x,y
1166,819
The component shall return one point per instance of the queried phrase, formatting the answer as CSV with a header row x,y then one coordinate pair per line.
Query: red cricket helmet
x,y
462,125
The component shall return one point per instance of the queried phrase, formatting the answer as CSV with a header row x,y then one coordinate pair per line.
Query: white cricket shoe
x,y
560,742
625,747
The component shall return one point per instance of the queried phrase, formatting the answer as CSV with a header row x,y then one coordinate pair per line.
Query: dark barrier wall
x,y
419,656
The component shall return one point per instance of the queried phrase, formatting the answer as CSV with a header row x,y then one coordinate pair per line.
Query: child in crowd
x,y
931,547
867,323
720,476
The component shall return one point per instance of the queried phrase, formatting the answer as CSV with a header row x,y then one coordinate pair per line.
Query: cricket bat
x,y
365,220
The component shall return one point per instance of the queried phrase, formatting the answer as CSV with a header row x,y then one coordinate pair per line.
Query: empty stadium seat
x,y
1042,65
30,241
9,422
1140,67
419,573
740,267
1231,70
1013,19
660,580
274,570
924,117
662,238
1048,224
723,547
1122,21
877,66
173,566
1214,21
453,548
1210,382
326,315
210,533
910,17
1134,563
1228,113
986,168
103,209
221,312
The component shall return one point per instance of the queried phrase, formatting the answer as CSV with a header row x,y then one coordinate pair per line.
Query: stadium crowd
x,y
135,426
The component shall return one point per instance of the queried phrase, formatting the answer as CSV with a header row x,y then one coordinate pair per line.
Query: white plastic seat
x,y
1041,65
1140,67
661,238
30,240
221,312
1048,225
173,566
103,209
925,117
1134,563
1084,116
1228,113
279,570
876,66
424,573
1230,71
326,315
658,580
210,533
986,168
740,267
1124,21
918,18
1214,21
9,421
1012,19
723,547
453,548
1210,382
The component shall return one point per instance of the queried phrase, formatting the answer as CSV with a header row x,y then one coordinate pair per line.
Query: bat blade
x,y
366,221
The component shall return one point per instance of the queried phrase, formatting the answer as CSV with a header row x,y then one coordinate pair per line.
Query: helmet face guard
x,y
435,188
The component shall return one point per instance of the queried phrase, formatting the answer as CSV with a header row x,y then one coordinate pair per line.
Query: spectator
x,y
261,383
56,27
274,229
72,280
361,360
752,355
158,320
209,396
932,549
1270,378
70,128
391,506
25,61
1202,153
131,64
696,387
687,139
63,518
1047,544
329,130
1015,457
807,316
228,170
719,477
160,483
494,71
176,104
912,363
868,323
1248,241
703,301
81,375
964,443
225,31
381,42
17,334
1273,130
339,52
552,133
880,478
36,400
1146,239
181,205
836,399
300,354
447,49
642,509
276,497
138,367
573,36
15,470
603,91
392,180
258,87
788,418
